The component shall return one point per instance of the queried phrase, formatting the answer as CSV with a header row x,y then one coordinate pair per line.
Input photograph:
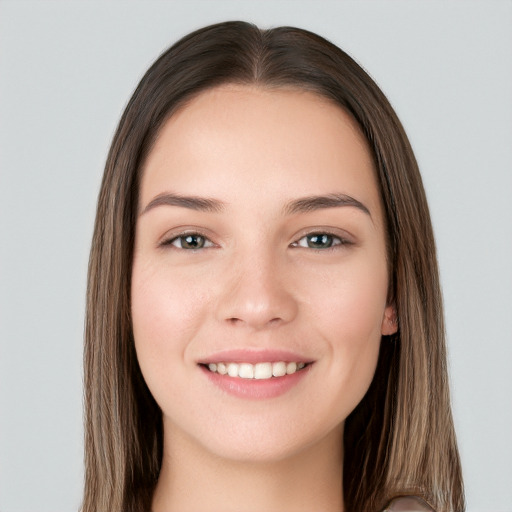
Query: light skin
x,y
285,251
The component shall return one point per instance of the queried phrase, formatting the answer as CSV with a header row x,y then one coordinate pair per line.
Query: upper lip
x,y
254,356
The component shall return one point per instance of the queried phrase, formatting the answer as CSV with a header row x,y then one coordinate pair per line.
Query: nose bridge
x,y
256,291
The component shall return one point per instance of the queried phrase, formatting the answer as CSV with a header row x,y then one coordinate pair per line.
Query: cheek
x,y
350,317
163,304
166,314
350,303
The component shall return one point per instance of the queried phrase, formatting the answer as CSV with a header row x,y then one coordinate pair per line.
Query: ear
x,y
390,321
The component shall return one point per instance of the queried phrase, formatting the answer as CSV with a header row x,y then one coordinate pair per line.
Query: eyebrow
x,y
301,205
201,204
312,203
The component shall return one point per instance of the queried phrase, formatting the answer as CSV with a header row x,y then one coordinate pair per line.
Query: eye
x,y
319,241
189,241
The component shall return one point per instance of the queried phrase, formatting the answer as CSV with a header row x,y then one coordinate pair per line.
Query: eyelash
x,y
183,236
336,241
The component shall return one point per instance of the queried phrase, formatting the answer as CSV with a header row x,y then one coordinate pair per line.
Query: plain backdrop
x,y
67,68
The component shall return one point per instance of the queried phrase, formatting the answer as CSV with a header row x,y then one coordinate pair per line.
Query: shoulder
x,y
408,504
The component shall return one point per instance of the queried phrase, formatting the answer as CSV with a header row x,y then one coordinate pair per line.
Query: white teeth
x,y
256,371
279,369
232,370
262,371
291,368
246,371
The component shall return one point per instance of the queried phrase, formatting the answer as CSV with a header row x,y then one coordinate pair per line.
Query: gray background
x,y
67,69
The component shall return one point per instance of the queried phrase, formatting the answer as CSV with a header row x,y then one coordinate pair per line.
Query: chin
x,y
268,445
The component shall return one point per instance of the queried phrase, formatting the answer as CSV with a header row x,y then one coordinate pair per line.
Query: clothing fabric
x,y
408,504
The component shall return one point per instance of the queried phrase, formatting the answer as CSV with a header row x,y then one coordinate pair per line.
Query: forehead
x,y
235,138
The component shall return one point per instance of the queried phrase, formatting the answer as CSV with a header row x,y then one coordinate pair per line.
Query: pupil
x,y
320,241
193,241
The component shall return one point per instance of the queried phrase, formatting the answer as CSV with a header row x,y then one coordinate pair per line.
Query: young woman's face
x,y
259,278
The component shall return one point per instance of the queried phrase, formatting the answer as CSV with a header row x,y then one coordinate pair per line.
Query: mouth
x,y
256,374
258,371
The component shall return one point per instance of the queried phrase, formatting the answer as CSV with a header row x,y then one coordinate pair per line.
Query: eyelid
x,y
343,236
337,241
167,240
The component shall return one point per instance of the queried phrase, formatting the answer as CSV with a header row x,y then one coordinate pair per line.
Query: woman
x,y
264,327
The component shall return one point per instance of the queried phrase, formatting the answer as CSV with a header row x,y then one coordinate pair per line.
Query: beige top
x,y
408,504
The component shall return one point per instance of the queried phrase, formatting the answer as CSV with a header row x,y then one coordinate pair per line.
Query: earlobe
x,y
390,321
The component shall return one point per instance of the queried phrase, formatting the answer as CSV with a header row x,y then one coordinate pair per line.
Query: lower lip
x,y
256,389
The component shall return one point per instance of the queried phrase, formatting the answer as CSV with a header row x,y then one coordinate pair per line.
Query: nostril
x,y
236,321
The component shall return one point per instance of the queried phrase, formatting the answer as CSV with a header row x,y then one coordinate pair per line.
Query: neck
x,y
192,479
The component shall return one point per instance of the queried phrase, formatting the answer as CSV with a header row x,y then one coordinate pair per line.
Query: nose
x,y
257,293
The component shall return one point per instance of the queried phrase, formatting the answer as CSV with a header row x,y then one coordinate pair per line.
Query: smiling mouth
x,y
258,371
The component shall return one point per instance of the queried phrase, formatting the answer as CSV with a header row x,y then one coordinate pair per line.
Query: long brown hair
x,y
400,439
